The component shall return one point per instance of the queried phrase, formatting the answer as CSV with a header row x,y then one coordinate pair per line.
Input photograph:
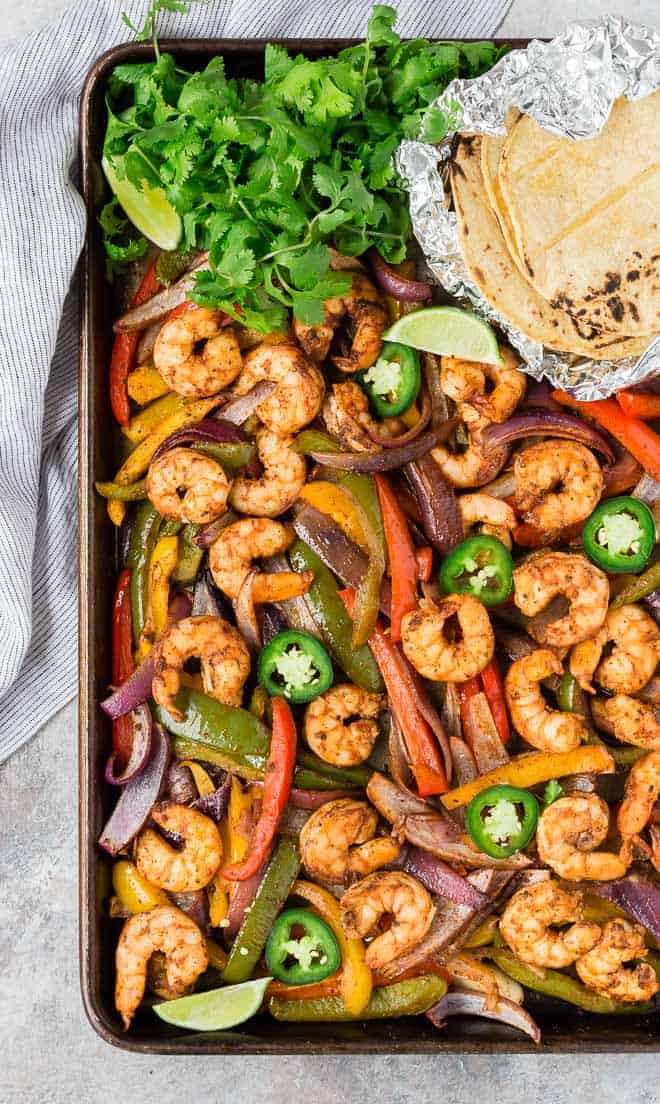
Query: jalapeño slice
x,y
620,534
301,948
501,820
393,382
480,566
295,665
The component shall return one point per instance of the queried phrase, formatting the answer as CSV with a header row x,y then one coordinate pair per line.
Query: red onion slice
x,y
160,305
246,613
398,287
441,517
458,1003
547,423
214,431
636,896
138,797
241,408
388,459
214,805
140,748
439,878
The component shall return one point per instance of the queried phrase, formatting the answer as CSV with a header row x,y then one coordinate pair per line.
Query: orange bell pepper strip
x,y
277,787
425,759
639,404
528,536
124,348
466,690
528,770
424,558
355,978
491,680
401,554
332,499
122,661
632,433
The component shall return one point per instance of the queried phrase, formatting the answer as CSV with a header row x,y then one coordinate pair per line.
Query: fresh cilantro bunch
x,y
267,173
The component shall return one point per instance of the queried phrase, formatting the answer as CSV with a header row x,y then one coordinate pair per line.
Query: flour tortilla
x,y
492,269
586,217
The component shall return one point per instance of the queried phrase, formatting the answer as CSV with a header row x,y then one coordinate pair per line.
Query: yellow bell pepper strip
x,y
135,892
189,412
483,935
145,385
204,784
528,770
131,492
161,567
124,348
235,832
552,983
148,419
277,786
596,910
331,499
116,511
356,978
404,998
216,956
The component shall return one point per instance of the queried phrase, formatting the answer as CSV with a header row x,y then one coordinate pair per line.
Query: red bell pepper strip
x,y
426,762
424,557
493,685
124,349
401,554
639,404
122,662
632,433
528,536
277,787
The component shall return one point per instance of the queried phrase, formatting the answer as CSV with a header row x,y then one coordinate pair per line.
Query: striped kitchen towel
x,y
42,227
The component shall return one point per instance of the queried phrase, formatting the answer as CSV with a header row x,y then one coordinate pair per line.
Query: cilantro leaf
x,y
552,791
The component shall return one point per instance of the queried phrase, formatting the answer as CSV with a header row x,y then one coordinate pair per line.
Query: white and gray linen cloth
x,y
42,229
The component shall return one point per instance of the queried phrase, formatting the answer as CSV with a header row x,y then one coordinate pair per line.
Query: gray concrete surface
x,y
48,1052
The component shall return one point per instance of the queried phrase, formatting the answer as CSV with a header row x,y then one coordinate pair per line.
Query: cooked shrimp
x,y
340,725
279,485
389,893
223,654
179,871
464,381
363,306
484,513
558,483
477,465
346,414
550,574
434,653
340,839
193,373
231,556
184,485
527,920
634,722
567,834
633,660
641,793
602,967
544,728
165,929
299,393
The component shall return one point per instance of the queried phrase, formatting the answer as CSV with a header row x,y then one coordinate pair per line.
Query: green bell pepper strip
x,y
392,384
231,457
640,588
190,556
412,997
301,959
502,820
295,665
143,539
552,983
480,566
235,734
315,440
333,622
273,891
170,528
345,776
208,753
131,492
571,698
627,756
620,535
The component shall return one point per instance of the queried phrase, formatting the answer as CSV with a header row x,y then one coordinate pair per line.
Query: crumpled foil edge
x,y
568,85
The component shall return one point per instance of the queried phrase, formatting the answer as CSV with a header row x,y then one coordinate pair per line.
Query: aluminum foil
x,y
567,85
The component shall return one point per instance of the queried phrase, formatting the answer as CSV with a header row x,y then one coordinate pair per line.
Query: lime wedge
x,y
448,331
150,211
217,1009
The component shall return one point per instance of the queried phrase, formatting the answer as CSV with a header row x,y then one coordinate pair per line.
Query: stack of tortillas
x,y
563,237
